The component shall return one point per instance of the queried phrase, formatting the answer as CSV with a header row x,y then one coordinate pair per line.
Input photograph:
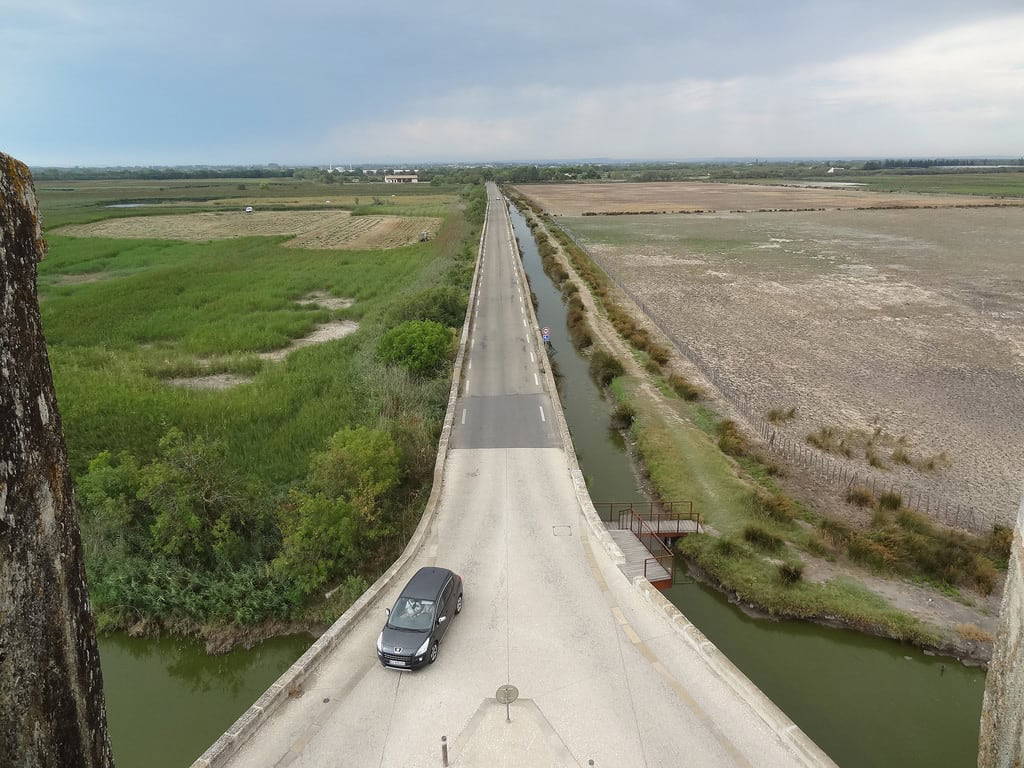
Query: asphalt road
x,y
600,673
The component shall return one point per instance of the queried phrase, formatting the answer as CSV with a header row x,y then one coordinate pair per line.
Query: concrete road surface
x,y
601,675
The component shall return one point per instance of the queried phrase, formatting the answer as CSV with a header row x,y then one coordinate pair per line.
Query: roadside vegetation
x,y
241,507
759,536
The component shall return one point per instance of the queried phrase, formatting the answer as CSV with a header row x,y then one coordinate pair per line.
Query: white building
x,y
401,178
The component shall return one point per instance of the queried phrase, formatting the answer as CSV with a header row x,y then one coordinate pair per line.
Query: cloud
x,y
960,91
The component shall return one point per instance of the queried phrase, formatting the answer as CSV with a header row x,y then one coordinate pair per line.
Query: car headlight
x,y
423,648
380,641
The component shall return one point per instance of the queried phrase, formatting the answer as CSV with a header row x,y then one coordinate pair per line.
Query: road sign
x,y
545,333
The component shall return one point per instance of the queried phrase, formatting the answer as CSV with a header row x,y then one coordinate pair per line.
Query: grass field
x,y
695,197
123,317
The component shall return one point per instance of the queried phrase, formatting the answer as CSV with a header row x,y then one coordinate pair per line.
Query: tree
x,y
52,711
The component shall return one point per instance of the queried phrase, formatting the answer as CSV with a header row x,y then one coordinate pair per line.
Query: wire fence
x,y
936,504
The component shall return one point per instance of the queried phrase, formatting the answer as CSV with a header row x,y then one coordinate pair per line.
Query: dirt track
x,y
312,229
681,196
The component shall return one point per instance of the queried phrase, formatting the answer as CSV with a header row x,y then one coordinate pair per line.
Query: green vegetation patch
x,y
245,505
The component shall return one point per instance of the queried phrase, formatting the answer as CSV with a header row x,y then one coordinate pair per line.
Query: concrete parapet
x,y
1001,744
221,750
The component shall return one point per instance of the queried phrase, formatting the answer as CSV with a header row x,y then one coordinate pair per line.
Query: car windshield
x,y
412,613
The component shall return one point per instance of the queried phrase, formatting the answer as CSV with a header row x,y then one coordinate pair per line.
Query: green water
x,y
867,702
167,700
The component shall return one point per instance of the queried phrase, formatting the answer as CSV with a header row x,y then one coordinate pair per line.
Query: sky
x,y
135,82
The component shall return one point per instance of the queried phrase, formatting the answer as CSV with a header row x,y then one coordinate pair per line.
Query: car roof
x,y
426,583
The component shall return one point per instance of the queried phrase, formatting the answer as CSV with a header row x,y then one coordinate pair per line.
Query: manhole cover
x,y
562,530
506,694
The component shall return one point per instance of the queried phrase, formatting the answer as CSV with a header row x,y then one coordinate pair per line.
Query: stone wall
x,y
52,712
1002,717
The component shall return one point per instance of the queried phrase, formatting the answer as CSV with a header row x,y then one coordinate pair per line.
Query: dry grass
x,y
311,229
696,197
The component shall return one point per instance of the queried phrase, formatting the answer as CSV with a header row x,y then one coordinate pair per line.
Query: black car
x,y
420,618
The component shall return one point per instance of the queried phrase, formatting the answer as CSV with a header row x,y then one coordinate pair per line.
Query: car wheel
x,y
458,605
433,652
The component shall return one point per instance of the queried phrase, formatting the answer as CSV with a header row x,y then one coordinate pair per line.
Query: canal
x,y
866,701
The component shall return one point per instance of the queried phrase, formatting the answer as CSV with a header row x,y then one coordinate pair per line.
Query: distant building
x,y
401,178
835,169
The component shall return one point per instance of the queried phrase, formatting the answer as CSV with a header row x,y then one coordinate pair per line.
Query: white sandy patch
x,y
211,381
336,329
325,300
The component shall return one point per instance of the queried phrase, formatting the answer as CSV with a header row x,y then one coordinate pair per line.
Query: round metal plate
x,y
506,694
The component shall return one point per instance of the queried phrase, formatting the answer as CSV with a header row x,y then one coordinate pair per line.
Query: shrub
x,y
622,416
728,548
652,367
973,633
762,537
604,367
774,506
790,573
818,546
445,304
890,500
859,496
684,388
985,576
999,542
781,415
658,353
730,440
840,534
830,439
421,346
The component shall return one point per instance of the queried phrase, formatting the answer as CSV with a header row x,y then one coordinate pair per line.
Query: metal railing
x,y
653,543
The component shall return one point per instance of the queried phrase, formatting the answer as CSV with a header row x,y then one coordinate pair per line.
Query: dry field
x,y
912,321
682,196
311,229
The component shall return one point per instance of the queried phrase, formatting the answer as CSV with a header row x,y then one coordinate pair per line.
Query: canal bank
x,y
866,701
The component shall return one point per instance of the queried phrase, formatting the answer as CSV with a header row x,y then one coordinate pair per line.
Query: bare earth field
x,y
311,229
907,320
682,197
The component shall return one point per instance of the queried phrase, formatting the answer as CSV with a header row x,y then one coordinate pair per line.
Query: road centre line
x,y
542,413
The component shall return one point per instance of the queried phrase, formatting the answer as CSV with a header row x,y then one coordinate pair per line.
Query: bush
x,y
774,506
445,304
781,415
999,542
761,537
684,388
859,496
604,367
890,500
790,573
730,440
421,346
728,548
622,416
